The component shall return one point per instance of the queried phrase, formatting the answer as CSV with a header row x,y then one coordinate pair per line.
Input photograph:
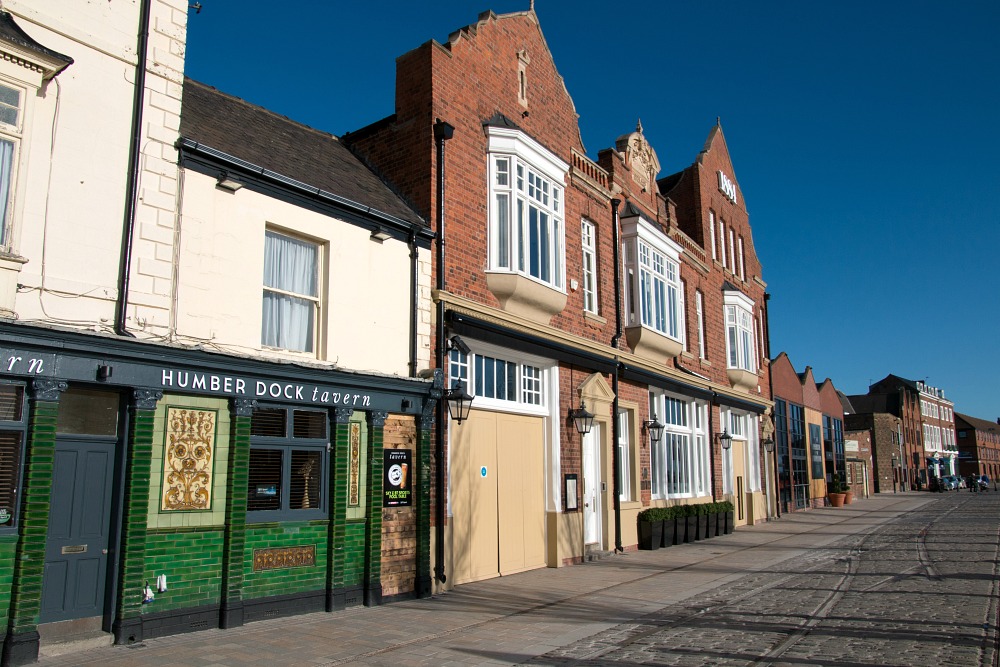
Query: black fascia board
x,y
497,334
74,356
739,403
211,162
664,382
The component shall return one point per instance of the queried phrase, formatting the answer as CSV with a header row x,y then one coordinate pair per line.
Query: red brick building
x,y
927,430
809,435
564,285
978,446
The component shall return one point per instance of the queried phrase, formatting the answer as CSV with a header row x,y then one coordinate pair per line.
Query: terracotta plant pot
x,y
836,499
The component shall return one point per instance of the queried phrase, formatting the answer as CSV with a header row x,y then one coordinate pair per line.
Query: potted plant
x,y
669,526
716,521
651,528
691,523
727,511
835,492
701,511
680,524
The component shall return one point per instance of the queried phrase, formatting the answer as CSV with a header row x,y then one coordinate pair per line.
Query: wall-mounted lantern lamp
x,y
459,402
769,445
582,419
726,439
654,428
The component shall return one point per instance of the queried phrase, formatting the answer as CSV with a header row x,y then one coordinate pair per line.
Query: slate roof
x,y
868,403
276,143
979,424
11,32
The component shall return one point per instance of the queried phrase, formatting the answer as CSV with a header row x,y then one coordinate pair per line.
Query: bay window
x,y
741,353
654,298
526,208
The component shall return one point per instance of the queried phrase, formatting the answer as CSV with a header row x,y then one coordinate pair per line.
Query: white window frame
x,y
655,297
699,305
743,275
525,179
624,456
588,243
732,251
12,134
711,229
738,312
316,300
679,462
722,241
532,380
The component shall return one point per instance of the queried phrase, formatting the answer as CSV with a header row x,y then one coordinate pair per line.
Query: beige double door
x,y
497,464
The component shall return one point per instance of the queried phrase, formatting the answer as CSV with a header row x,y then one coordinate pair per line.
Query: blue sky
x,y
863,134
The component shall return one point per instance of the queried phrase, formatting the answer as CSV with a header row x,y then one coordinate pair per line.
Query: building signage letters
x,y
727,187
237,386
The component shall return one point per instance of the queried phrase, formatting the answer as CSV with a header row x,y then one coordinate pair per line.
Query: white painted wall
x,y
365,286
70,213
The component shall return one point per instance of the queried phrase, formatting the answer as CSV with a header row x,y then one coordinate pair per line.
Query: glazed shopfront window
x,y
288,462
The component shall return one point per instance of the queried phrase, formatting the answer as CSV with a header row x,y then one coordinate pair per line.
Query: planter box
x,y
713,525
730,522
669,530
650,535
702,527
680,531
691,534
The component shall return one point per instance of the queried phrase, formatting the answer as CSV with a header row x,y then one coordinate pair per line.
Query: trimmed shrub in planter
x,y
712,509
701,517
691,523
669,526
680,524
651,528
727,510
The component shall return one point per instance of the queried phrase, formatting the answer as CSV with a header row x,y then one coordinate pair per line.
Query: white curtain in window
x,y
6,165
289,266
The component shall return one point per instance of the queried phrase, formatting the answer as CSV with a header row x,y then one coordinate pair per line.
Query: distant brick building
x,y
927,429
978,446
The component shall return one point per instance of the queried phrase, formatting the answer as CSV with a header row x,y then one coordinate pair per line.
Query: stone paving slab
x,y
584,609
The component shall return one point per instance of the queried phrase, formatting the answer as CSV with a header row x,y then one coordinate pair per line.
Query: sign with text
x,y
397,479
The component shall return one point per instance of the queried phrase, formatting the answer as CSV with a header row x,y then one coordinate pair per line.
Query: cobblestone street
x,y
908,580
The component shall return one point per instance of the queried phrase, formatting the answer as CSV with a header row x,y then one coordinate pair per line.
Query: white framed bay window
x,y
741,349
654,297
679,463
527,233
291,300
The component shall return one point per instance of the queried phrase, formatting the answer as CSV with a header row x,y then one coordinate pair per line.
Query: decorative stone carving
x,y
44,389
243,407
146,399
377,418
639,156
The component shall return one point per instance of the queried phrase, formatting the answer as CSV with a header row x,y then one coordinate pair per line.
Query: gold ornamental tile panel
x,y
187,459
279,558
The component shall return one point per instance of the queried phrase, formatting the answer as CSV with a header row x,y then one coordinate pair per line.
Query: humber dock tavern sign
x,y
727,187
47,364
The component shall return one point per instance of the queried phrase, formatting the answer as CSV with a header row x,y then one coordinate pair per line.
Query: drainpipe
x,y
414,289
615,427
770,388
442,133
132,182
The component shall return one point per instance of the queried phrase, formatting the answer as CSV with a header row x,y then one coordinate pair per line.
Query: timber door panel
x,y
498,518
521,493
76,549
475,535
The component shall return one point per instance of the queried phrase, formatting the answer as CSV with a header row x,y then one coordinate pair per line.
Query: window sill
x,y
652,344
10,270
526,297
594,317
